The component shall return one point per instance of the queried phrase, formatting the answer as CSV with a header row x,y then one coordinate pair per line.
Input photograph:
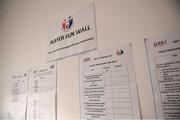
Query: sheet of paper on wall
x,y
42,93
18,96
164,64
72,35
107,85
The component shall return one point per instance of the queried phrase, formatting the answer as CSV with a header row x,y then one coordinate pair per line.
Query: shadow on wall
x,y
1,5
177,4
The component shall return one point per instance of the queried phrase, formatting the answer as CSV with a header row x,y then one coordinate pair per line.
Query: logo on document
x,y
160,43
67,24
86,59
119,52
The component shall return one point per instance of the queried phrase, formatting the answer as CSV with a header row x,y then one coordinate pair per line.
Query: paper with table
x,y
42,93
18,96
107,85
164,64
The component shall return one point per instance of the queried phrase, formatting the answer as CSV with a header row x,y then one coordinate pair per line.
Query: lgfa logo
x,y
119,52
67,24
160,43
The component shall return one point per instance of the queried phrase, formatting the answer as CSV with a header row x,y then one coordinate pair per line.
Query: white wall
x,y
25,32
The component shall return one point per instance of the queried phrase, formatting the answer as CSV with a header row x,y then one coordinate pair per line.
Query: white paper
x,y
42,93
107,85
164,64
73,34
18,96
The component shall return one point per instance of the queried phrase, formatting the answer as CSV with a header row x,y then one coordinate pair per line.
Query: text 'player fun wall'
x,y
24,29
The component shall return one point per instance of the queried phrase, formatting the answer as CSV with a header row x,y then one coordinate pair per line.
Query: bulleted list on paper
x,y
168,74
164,63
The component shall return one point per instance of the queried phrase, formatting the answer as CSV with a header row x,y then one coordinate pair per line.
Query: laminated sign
x,y
72,35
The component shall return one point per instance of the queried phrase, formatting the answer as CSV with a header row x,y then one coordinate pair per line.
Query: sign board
x,y
72,35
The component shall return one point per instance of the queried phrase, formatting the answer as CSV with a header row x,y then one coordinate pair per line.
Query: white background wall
x,y
24,33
